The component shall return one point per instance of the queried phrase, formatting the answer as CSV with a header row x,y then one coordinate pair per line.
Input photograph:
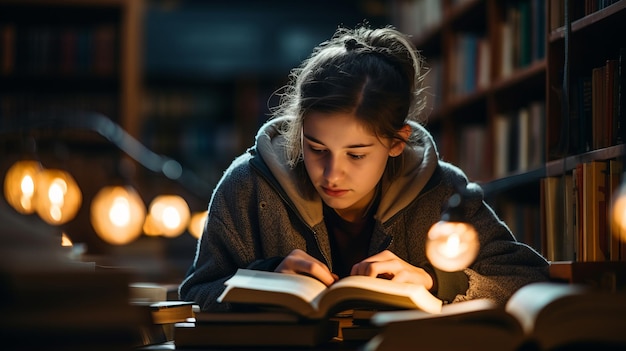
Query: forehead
x,y
326,121
338,129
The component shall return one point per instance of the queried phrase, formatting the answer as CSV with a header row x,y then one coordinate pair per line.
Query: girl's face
x,y
344,160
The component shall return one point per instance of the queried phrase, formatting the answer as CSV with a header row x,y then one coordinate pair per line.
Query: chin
x,y
335,203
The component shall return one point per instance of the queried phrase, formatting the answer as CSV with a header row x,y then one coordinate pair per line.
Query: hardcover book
x,y
312,299
539,316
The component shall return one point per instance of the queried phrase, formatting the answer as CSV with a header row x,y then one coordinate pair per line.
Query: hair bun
x,y
352,44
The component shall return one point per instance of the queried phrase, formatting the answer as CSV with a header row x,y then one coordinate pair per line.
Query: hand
x,y
387,265
299,262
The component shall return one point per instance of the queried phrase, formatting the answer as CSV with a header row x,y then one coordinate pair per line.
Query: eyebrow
x,y
354,146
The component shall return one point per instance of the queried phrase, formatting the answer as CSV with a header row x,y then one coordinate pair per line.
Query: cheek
x,y
377,169
311,163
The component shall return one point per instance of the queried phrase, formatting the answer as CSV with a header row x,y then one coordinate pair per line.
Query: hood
x,y
419,161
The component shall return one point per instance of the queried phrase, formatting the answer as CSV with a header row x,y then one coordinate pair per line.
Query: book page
x,y
378,291
311,298
293,291
530,300
305,287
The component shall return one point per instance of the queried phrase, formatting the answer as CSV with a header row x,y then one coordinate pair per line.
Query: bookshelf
x,y
482,54
69,55
585,110
513,128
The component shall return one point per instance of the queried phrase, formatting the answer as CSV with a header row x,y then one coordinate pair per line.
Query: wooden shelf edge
x,y
584,22
557,167
513,181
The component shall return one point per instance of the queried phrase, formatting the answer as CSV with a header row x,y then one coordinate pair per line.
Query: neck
x,y
360,214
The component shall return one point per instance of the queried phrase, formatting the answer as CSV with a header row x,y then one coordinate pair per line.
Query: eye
x,y
316,149
356,156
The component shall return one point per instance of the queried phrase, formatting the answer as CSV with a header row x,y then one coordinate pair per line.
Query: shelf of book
x,y
512,122
584,136
484,53
69,55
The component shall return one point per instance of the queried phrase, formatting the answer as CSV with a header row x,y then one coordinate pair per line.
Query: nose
x,y
333,170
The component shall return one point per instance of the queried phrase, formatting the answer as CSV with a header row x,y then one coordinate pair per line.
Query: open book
x,y
541,316
310,298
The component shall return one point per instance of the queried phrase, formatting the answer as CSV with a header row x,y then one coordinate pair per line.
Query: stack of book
x,y
152,299
277,309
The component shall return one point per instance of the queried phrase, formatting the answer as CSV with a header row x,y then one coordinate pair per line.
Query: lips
x,y
334,193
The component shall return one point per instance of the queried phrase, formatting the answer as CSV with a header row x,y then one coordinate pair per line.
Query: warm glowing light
x,y
169,214
151,227
196,224
58,196
171,217
618,214
452,246
65,240
117,214
20,185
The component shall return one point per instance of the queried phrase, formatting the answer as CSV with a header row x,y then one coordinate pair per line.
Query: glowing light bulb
x,y
20,185
65,240
618,214
58,196
117,214
151,226
169,214
171,217
196,224
452,246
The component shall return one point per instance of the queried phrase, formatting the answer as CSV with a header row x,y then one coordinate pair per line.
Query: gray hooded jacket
x,y
260,212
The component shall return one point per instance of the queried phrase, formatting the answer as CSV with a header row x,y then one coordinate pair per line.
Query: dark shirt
x,y
349,241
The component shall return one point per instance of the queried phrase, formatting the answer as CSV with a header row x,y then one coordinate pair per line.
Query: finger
x,y
414,277
300,262
364,268
403,277
322,273
374,269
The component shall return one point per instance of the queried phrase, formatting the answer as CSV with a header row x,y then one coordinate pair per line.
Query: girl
x,y
344,180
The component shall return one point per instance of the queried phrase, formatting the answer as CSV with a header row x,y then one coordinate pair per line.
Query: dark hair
x,y
374,73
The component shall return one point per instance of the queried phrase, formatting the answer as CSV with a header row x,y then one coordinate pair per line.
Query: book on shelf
x,y
594,236
255,333
503,126
542,316
616,246
559,219
312,299
621,96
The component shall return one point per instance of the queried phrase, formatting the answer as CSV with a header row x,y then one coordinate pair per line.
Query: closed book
x,y
539,316
258,316
263,333
164,312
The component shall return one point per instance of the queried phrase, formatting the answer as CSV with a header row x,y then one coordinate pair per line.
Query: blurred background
x,y
82,81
